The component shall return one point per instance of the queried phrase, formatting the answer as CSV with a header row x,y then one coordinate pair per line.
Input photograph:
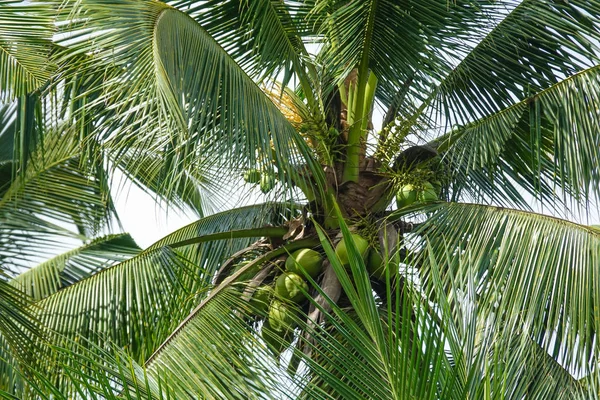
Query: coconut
x,y
267,182
377,267
306,260
428,194
289,286
282,316
406,196
261,298
361,244
252,176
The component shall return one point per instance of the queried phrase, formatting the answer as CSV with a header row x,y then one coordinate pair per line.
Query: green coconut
x,y
406,196
306,260
267,182
377,267
361,244
252,176
289,286
283,316
261,298
428,194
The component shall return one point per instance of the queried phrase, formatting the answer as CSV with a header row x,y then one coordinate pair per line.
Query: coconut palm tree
x,y
365,176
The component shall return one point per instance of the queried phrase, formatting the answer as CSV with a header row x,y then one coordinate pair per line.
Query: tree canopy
x,y
336,255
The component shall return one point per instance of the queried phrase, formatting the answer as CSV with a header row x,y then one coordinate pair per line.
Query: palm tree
x,y
457,289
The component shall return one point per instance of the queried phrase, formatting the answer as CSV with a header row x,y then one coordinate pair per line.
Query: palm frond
x,y
20,333
536,45
546,142
68,268
133,305
532,273
195,103
243,218
54,203
220,367
25,44
402,41
263,36
138,303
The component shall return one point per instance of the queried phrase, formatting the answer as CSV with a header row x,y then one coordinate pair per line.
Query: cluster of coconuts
x,y
289,290
409,194
265,180
282,303
371,256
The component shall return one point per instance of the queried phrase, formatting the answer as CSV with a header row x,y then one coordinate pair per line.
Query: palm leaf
x,y
25,44
51,205
533,47
263,36
219,367
239,219
68,268
531,272
137,303
133,305
542,143
190,102
400,41
20,332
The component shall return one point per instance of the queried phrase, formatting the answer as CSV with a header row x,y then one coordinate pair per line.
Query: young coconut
x,y
307,260
282,316
406,196
289,286
377,267
252,176
361,244
261,298
428,194
267,182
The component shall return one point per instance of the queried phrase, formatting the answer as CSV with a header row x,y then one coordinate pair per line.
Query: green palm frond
x,y
19,336
7,145
228,363
195,103
92,371
239,219
539,43
138,303
264,36
546,142
192,191
25,44
68,268
400,41
489,359
17,320
55,202
533,273
446,343
133,305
